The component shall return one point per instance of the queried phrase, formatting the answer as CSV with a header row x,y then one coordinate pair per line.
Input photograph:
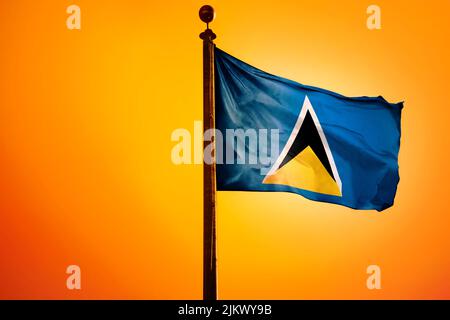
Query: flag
x,y
279,135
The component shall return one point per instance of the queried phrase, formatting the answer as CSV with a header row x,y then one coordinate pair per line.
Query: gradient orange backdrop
x,y
86,176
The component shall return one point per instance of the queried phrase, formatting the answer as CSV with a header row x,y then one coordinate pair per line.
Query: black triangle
x,y
308,136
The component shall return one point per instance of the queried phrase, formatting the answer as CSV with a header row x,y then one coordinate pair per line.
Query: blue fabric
x,y
363,133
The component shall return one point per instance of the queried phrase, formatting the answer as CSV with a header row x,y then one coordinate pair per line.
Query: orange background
x,y
86,176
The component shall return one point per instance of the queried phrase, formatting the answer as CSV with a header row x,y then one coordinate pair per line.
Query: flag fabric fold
x,y
310,141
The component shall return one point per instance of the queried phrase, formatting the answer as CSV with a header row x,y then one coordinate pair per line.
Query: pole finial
x,y
207,14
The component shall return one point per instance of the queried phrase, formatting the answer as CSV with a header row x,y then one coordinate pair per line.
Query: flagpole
x,y
207,14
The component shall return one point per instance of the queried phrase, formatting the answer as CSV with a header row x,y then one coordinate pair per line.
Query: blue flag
x,y
279,135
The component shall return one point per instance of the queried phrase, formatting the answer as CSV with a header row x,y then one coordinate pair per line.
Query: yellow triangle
x,y
305,172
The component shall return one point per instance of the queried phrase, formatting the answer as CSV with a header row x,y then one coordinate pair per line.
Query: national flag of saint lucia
x,y
328,148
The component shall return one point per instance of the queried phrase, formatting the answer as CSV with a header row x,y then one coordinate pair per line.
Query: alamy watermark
x,y
73,281
258,147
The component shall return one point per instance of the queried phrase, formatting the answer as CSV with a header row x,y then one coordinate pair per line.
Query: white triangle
x,y
301,117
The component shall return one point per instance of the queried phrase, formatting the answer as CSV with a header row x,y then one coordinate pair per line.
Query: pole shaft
x,y
209,174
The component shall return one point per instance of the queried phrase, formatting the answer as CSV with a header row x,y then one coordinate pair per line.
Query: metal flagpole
x,y
207,14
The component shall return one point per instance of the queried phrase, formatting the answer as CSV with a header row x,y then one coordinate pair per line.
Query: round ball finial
x,y
207,14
